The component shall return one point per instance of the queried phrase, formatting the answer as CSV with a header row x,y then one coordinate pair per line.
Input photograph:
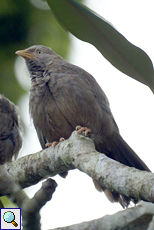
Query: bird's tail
x,y
122,152
115,197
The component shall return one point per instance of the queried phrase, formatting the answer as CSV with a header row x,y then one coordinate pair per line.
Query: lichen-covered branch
x,y
137,218
79,152
30,208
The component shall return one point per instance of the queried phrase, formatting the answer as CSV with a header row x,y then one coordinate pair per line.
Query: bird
x,y
10,130
63,96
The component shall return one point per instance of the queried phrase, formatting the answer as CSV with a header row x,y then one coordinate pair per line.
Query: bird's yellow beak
x,y
24,54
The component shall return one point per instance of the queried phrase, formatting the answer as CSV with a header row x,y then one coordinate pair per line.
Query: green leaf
x,y
89,27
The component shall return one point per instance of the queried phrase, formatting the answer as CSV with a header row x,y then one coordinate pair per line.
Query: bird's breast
x,y
65,102
47,116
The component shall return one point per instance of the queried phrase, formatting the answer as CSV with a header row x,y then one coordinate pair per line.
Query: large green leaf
x,y
89,27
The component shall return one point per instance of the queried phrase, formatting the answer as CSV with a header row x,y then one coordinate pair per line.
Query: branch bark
x,y
137,218
79,152
30,208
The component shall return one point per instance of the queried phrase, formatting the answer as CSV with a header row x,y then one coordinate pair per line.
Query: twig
x,y
30,208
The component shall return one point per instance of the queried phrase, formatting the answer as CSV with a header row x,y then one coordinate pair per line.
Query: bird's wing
x,y
6,150
78,96
6,125
41,137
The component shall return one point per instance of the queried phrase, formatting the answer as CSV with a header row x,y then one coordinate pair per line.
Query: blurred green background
x,y
22,24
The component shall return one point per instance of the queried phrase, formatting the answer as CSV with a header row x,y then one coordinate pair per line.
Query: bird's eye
x,y
39,52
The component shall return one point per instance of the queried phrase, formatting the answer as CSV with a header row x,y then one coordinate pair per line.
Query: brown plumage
x,y
10,130
63,96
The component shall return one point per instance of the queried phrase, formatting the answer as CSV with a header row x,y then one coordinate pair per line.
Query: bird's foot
x,y
84,131
54,143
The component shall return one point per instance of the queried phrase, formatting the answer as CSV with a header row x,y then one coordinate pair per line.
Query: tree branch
x,y
137,218
30,208
79,152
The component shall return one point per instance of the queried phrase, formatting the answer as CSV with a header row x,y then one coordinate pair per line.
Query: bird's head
x,y
37,58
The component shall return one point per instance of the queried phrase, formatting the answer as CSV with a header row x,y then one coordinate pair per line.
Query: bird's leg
x,y
83,130
54,143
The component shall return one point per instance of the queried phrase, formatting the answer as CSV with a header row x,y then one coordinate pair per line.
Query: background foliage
x,y
22,24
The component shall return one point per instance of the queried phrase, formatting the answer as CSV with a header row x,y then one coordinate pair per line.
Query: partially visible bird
x,y
63,96
10,130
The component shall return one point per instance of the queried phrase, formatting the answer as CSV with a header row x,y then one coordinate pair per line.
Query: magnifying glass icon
x,y
9,217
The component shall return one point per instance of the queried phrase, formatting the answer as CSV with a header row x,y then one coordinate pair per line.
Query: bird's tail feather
x,y
115,197
122,152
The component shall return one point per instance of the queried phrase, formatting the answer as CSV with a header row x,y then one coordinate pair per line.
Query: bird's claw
x,y
54,143
84,131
